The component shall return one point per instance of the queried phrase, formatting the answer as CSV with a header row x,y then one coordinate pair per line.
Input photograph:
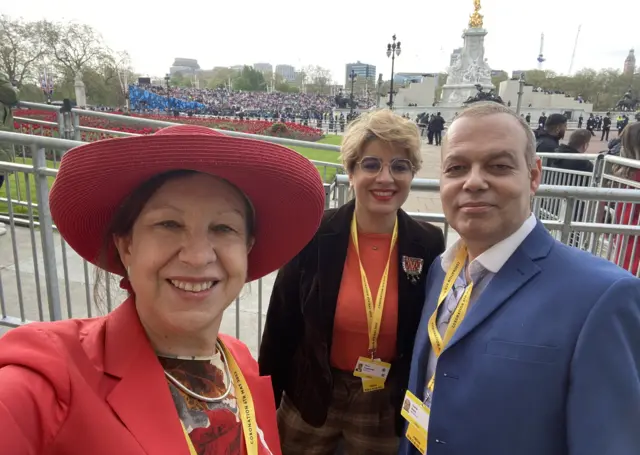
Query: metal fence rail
x,y
42,279
71,125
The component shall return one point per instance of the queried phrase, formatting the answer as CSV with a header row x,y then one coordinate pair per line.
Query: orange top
x,y
350,329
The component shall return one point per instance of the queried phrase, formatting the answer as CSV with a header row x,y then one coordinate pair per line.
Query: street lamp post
x,y
352,77
167,78
520,93
393,50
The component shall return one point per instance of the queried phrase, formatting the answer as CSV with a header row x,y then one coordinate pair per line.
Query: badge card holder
x,y
417,414
373,372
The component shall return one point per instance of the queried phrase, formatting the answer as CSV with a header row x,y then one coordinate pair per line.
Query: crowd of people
x,y
221,101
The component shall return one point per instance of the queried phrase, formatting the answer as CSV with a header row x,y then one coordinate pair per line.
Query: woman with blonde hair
x,y
186,216
344,312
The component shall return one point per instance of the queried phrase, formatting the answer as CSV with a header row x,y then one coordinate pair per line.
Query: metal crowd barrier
x,y
41,279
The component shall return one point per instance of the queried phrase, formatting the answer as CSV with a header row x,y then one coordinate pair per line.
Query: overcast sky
x,y
331,33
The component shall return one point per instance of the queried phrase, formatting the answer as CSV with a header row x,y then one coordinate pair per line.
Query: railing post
x,y
566,219
327,195
342,194
77,134
61,125
598,170
46,233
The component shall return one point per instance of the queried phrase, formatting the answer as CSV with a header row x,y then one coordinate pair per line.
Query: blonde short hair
x,y
386,126
483,109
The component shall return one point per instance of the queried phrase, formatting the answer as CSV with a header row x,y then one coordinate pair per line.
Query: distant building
x,y
630,64
287,72
516,74
264,68
237,67
364,71
184,66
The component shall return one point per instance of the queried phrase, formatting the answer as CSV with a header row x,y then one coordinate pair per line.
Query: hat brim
x,y
284,188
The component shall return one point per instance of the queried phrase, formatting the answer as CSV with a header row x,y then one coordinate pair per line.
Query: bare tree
x,y
117,66
76,46
22,47
318,79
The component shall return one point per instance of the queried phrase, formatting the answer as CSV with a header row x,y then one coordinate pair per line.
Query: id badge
x,y
371,385
372,369
417,438
417,414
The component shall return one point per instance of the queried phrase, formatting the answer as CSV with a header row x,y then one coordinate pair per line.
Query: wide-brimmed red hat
x,y
284,188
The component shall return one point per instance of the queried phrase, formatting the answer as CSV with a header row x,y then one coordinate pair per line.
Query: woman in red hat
x,y
186,216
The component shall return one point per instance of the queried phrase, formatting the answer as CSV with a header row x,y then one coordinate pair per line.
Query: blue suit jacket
x,y
546,362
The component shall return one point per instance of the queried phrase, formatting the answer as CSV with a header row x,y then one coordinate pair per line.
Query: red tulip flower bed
x,y
261,127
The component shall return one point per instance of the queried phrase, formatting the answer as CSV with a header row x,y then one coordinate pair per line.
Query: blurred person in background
x,y
628,247
549,138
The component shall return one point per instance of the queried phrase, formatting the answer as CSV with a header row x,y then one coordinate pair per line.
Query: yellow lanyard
x,y
437,343
374,312
245,403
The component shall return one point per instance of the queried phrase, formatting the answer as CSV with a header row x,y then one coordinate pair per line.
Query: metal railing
x,y
42,279
71,124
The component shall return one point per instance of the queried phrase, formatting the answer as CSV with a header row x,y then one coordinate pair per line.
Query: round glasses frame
x,y
396,176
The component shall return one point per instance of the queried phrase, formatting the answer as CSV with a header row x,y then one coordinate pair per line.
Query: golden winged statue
x,y
475,20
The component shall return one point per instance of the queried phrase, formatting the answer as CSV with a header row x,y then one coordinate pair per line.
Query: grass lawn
x,y
327,173
19,187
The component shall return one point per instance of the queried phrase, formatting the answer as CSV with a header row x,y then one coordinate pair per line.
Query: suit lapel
x,y
410,293
141,398
515,273
261,392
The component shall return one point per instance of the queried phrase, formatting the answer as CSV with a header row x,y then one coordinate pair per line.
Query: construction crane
x,y
575,46
541,54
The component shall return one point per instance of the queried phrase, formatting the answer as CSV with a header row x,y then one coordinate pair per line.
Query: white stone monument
x,y
81,95
469,68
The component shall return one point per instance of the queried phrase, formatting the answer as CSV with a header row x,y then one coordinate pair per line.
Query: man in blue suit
x,y
537,344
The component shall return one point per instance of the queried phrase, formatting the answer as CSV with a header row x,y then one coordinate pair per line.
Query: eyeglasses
x,y
399,168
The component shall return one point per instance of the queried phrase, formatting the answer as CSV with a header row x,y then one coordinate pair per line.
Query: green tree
x,y
250,80
285,87
218,77
498,78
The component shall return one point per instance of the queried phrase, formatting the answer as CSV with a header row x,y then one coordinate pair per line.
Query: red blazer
x,y
95,386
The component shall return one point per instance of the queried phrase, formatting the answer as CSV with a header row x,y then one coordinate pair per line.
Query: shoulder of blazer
x,y
331,220
422,232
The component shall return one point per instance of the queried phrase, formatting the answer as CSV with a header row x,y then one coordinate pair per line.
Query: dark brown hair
x,y
579,138
126,215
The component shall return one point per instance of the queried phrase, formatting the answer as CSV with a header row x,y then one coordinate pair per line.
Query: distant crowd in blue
x,y
141,99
